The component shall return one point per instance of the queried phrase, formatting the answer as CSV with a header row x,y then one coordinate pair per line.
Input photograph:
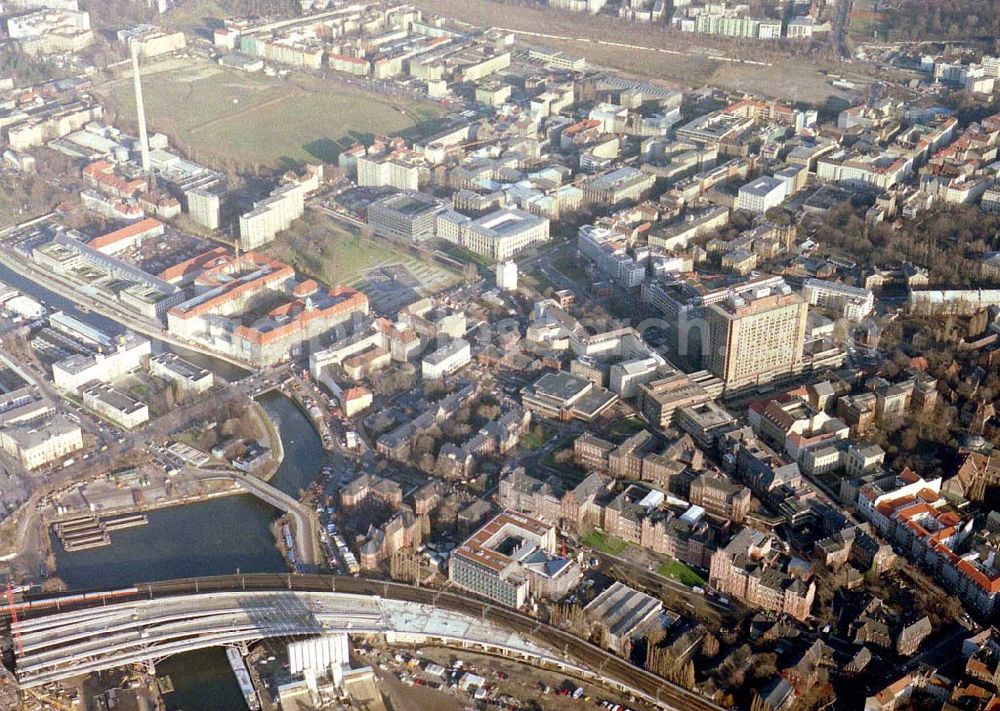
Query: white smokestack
x,y
139,108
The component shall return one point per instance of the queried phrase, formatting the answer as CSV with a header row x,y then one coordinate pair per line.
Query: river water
x,y
202,681
213,537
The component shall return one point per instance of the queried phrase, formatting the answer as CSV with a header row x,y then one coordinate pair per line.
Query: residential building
x,y
721,498
152,41
275,213
402,169
367,486
909,510
618,186
204,207
610,252
850,302
753,568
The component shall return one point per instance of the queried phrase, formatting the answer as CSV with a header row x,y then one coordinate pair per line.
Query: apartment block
x,y
618,186
850,302
721,498
272,215
753,568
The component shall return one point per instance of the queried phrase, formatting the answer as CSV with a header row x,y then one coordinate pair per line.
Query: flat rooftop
x,y
491,546
561,386
179,366
114,398
410,205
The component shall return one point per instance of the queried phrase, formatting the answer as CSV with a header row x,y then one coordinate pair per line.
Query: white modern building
x,y
77,370
853,303
507,275
446,360
761,195
502,234
625,378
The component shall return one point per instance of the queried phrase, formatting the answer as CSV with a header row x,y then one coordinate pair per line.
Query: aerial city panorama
x,y
468,355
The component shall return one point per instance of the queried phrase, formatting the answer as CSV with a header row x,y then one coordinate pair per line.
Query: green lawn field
x,y
601,541
339,258
224,116
334,253
681,573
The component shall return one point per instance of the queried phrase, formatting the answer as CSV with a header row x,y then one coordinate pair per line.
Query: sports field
x,y
227,117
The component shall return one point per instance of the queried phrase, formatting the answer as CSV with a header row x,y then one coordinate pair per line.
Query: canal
x,y
214,537
218,536
202,681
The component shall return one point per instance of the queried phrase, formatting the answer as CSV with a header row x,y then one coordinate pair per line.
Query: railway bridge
x,y
63,636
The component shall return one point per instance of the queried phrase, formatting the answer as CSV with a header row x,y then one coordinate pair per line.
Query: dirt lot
x,y
416,698
652,52
523,683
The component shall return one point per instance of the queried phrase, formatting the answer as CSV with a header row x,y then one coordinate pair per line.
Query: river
x,y
207,538
219,536
212,537
202,681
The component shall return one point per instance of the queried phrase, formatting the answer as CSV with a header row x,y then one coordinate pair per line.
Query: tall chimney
x,y
139,108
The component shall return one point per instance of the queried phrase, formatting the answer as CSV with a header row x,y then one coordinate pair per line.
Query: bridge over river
x,y
61,637
306,525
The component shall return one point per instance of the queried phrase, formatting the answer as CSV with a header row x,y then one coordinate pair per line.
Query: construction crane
x,y
12,609
233,244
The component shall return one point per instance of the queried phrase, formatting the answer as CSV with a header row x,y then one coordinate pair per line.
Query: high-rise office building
x,y
755,336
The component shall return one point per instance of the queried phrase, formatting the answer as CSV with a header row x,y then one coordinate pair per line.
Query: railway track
x,y
598,660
